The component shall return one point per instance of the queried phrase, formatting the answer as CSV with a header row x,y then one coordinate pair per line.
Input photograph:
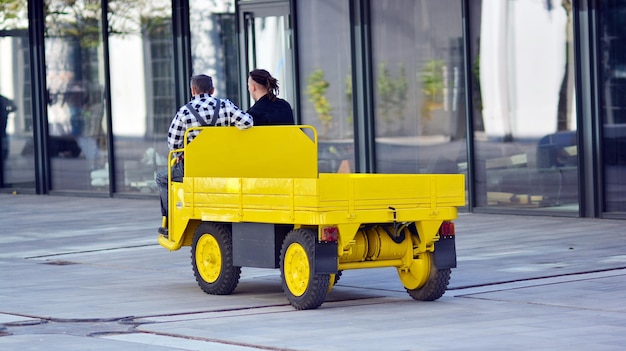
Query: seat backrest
x,y
257,152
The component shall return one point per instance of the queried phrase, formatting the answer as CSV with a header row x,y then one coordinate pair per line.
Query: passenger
x,y
268,108
202,110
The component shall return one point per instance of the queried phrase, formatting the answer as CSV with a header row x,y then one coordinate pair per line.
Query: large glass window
x,y
419,86
523,98
77,144
141,59
17,163
326,76
612,35
214,45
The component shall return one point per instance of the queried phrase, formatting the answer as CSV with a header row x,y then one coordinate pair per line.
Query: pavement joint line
x,y
239,312
534,282
91,251
137,335
544,304
236,312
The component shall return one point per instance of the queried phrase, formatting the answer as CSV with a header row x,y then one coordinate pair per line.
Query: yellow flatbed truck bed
x,y
254,198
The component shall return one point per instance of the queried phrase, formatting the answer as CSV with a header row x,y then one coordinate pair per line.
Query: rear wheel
x,y
212,259
304,289
334,278
424,281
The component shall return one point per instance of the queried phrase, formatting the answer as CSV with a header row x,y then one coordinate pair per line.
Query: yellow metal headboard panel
x,y
258,152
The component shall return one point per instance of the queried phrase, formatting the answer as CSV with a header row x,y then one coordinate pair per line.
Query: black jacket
x,y
265,112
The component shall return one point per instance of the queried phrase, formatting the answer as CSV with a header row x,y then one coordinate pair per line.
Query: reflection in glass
x,y
17,163
324,42
523,97
419,86
270,45
77,142
612,35
214,46
142,96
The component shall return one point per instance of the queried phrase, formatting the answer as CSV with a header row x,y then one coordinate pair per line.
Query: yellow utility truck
x,y
254,198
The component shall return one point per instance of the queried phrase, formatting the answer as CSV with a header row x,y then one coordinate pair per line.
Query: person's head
x,y
201,84
261,82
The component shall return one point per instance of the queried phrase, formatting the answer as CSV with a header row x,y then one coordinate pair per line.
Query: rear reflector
x,y
446,229
330,234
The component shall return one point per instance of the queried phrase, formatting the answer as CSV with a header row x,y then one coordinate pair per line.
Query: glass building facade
x,y
524,97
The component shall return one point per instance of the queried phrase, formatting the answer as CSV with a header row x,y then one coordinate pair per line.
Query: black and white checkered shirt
x,y
229,115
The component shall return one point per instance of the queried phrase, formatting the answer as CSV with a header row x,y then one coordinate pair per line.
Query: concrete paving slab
x,y
511,319
51,342
87,273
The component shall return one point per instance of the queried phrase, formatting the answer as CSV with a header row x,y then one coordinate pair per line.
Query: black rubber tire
x,y
228,278
435,286
337,277
317,286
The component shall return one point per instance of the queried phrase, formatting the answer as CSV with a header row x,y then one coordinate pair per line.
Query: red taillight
x,y
330,234
446,229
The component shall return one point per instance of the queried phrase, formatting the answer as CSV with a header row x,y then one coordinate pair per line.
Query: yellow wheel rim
x,y
417,274
331,284
296,269
208,258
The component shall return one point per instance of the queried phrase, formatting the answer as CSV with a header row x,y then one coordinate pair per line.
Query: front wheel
x,y
304,289
212,259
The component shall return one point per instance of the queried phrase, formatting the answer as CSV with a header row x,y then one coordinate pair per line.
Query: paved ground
x,y
87,274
